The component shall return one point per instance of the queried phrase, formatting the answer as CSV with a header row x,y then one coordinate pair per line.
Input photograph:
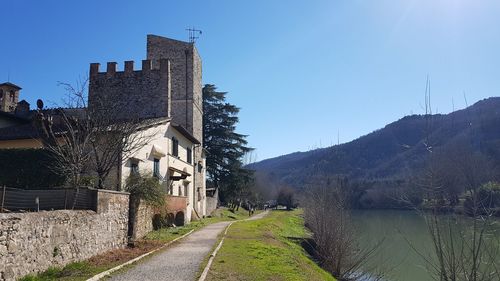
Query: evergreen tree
x,y
225,147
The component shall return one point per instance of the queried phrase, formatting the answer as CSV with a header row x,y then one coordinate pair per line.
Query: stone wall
x,y
212,202
141,220
186,80
32,242
131,94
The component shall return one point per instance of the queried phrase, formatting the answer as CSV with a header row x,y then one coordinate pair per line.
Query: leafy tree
x,y
225,147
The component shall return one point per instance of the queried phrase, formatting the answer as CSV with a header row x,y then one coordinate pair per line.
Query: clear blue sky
x,y
300,70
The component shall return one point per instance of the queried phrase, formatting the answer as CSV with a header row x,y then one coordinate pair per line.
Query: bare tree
x,y
286,197
327,214
66,134
91,140
464,247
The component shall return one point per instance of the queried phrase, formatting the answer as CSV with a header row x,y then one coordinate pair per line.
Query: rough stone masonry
x,y
33,242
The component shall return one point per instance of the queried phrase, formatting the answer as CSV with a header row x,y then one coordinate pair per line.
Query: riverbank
x,y
266,249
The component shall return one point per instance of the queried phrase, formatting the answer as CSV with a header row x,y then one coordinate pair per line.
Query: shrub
x,y
147,188
489,195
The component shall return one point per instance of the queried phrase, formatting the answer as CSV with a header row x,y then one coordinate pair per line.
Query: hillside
x,y
396,151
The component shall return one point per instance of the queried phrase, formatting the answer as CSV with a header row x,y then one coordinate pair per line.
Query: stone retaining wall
x,y
212,202
32,242
141,219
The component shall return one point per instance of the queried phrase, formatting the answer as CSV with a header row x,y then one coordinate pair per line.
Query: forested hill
x,y
396,151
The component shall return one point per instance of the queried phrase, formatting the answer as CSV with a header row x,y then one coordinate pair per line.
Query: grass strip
x,y
266,249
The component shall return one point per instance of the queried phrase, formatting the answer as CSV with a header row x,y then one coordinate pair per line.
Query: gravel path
x,y
258,216
179,262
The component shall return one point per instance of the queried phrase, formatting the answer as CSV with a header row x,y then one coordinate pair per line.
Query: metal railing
x,y
15,199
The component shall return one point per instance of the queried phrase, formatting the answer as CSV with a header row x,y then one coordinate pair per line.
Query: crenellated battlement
x,y
111,68
131,93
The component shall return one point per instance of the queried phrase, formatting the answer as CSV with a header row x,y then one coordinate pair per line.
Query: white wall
x,y
163,139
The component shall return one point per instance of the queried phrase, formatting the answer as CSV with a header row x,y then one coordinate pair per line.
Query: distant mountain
x,y
396,151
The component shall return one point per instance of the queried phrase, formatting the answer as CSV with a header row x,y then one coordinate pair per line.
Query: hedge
x,y
27,168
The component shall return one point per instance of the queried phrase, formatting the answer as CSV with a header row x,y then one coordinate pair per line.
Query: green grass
x,y
170,233
83,270
266,249
71,272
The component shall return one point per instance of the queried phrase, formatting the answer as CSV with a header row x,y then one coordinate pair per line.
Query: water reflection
x,y
401,230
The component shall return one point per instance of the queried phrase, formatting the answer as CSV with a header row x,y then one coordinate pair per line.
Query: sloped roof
x,y
25,131
10,85
185,133
14,117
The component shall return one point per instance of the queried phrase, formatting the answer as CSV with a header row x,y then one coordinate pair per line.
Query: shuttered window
x,y
156,168
175,147
189,156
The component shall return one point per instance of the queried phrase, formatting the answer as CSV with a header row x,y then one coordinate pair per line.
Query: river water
x,y
401,230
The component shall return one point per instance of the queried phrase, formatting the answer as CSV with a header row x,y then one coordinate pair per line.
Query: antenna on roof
x,y
193,34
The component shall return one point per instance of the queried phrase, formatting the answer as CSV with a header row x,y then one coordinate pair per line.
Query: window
x,y
1,94
12,96
175,147
134,168
189,155
156,167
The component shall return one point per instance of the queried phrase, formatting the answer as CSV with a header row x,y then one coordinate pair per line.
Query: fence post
x,y
65,198
3,198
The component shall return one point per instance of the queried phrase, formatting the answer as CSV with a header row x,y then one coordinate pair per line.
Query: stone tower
x,y
168,85
187,108
187,100
9,96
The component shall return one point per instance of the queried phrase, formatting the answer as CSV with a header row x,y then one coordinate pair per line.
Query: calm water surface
x,y
399,229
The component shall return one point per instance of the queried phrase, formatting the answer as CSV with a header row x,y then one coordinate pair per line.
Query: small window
x,y
175,147
200,167
156,168
12,96
1,94
189,155
134,168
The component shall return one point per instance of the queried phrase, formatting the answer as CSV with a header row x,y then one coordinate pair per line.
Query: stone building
x,y
187,99
9,96
12,111
168,85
